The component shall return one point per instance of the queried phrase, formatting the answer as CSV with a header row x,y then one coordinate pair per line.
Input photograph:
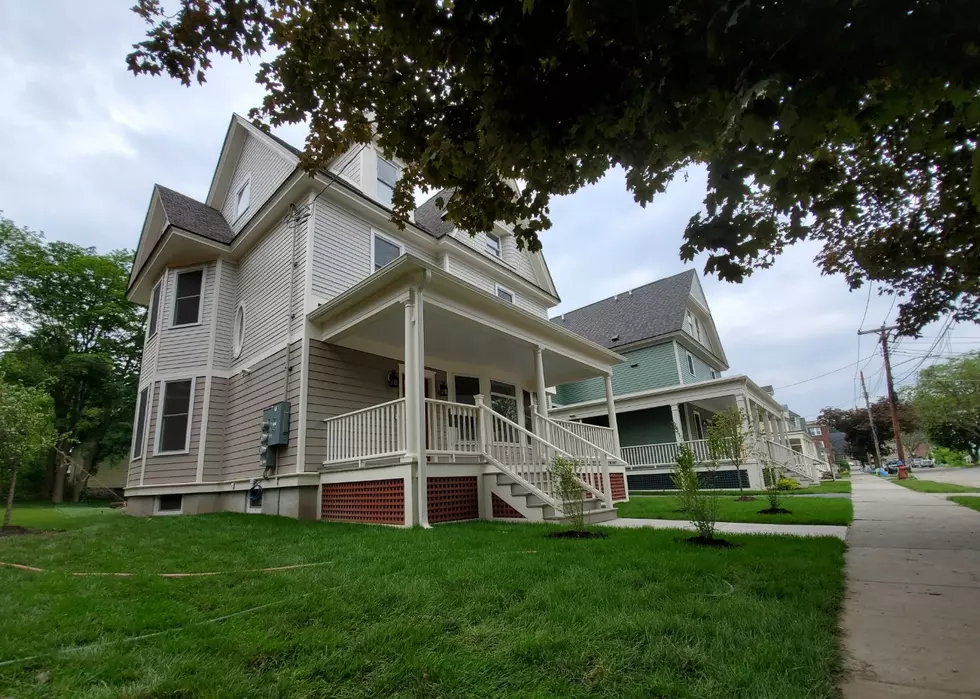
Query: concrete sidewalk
x,y
912,611
734,527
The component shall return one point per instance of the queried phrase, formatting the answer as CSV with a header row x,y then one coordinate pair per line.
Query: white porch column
x,y
611,411
675,413
415,402
541,386
767,417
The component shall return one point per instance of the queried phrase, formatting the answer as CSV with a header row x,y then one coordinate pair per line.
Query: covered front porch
x,y
466,372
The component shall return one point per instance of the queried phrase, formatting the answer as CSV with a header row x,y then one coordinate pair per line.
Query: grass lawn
x,y
805,510
838,486
967,501
922,486
66,516
464,610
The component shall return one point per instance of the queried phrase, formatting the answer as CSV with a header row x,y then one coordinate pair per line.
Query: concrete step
x,y
591,516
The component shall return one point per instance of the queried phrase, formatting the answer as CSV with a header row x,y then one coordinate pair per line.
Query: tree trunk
x,y
50,474
10,499
58,492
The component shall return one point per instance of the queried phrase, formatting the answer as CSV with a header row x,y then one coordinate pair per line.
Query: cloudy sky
x,y
82,142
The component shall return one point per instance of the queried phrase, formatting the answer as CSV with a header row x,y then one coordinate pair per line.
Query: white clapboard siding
x,y
482,281
250,394
263,290
349,164
174,468
266,169
341,381
226,304
520,260
215,442
185,347
342,250
149,362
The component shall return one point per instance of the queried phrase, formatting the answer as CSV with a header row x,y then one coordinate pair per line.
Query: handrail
x,y
604,436
580,438
369,433
363,410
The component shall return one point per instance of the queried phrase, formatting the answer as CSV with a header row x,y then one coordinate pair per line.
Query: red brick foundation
x,y
617,482
502,510
453,498
374,502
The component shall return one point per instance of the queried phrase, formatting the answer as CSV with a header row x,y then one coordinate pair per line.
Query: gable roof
x,y
645,312
194,216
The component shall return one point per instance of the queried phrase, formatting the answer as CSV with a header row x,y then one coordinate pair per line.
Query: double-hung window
x,y
384,252
154,318
493,245
140,428
243,197
503,400
187,297
387,177
175,416
690,364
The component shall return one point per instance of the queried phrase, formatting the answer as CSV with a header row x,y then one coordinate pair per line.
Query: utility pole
x,y
882,332
871,421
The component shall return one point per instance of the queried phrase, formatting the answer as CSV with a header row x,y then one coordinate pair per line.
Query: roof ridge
x,y
621,293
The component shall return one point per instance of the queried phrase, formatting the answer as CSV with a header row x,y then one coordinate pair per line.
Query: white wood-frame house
x,y
411,361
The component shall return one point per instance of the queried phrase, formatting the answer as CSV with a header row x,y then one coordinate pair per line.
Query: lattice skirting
x,y
501,509
453,498
707,479
375,502
617,482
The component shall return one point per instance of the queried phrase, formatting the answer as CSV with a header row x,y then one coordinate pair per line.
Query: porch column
x,y
768,422
415,401
541,386
611,411
743,406
675,413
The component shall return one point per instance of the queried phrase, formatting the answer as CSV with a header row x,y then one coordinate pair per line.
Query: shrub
x,y
787,484
774,483
701,507
569,490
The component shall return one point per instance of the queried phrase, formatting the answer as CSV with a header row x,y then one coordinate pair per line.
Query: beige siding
x,y
214,444
482,281
263,289
225,304
174,468
248,395
341,380
299,274
265,168
185,347
342,250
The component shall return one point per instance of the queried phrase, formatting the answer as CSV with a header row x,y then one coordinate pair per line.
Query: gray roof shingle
x,y
645,312
429,218
194,216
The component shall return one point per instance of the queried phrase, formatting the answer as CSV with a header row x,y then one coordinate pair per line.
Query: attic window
x,y
243,197
493,245
387,177
690,364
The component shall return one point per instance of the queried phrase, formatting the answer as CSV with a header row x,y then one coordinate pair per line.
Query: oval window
x,y
238,334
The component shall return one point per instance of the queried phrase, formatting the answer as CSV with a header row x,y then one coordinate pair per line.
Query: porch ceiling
x,y
465,328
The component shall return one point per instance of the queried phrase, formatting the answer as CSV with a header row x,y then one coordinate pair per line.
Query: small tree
x,y
26,432
771,475
726,441
570,491
701,507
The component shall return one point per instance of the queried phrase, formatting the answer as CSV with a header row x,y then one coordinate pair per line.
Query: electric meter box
x,y
275,424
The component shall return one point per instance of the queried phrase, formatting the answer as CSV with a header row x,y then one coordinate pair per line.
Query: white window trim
x,y
146,423
375,233
499,254
153,332
166,513
236,346
200,305
243,185
690,364
158,432
377,177
500,287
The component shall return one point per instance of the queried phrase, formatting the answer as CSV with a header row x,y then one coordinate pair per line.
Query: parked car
x,y
892,466
923,463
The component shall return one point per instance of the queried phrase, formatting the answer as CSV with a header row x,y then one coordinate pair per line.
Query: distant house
x,y
820,433
671,384
306,357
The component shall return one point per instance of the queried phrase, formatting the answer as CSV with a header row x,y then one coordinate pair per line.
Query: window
x,y
503,400
697,328
713,374
690,364
384,252
698,424
466,388
493,245
506,294
188,297
154,311
387,177
243,197
170,504
238,333
140,428
175,416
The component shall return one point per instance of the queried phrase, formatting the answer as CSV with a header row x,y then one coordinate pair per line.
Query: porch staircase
x,y
794,464
532,508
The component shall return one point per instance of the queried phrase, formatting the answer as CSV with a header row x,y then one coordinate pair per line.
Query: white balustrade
x,y
370,433
598,435
450,428
664,454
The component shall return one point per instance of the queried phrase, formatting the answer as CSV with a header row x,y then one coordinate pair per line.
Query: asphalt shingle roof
x,y
645,312
194,216
429,218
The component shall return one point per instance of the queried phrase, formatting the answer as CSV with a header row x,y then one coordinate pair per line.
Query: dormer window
x,y
243,197
387,177
493,245
693,325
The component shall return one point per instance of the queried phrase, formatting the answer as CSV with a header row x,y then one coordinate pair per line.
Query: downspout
x,y
294,216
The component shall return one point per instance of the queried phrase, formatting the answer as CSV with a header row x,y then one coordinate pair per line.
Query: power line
x,y
814,378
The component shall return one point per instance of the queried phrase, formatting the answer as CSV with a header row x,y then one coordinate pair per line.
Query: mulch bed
x,y
775,511
745,498
577,535
710,543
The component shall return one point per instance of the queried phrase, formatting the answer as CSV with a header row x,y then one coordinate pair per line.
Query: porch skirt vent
x,y
375,502
503,510
453,498
707,479
618,486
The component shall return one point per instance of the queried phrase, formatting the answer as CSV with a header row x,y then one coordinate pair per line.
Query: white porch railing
x,y
371,433
663,454
793,460
598,435
451,428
